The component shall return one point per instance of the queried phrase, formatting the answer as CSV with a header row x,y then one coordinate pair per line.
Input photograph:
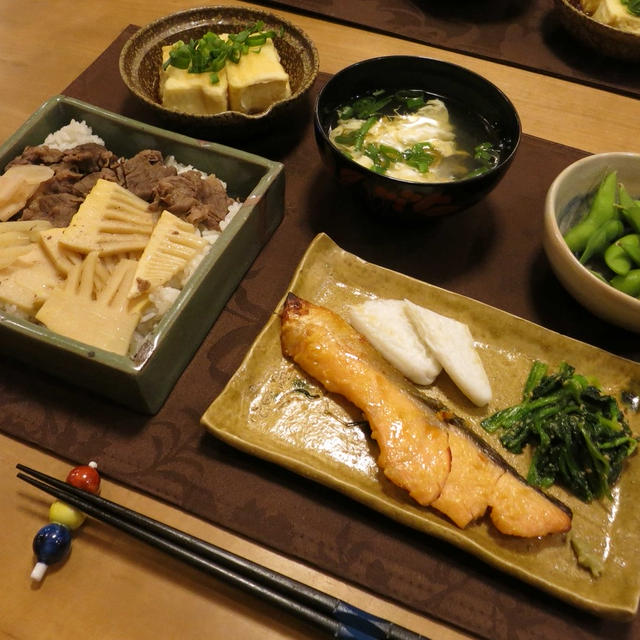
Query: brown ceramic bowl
x,y
609,41
141,57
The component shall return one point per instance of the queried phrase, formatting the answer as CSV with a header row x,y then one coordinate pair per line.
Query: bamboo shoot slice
x,y
29,280
173,244
104,322
17,238
64,259
110,220
18,184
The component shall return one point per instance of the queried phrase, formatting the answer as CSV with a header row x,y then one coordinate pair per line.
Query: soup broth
x,y
415,136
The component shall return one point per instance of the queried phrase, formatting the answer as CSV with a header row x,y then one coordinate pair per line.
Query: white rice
x,y
72,135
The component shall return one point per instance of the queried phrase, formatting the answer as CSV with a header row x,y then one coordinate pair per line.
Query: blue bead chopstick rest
x,y
53,542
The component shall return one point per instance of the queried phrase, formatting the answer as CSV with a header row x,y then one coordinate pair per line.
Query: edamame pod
x,y
601,238
631,244
628,284
630,208
603,208
598,275
632,216
617,259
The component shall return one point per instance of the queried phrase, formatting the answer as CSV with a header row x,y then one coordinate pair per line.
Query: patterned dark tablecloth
x,y
491,252
523,33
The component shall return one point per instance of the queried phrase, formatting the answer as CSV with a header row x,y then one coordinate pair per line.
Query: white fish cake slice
x,y
452,343
387,327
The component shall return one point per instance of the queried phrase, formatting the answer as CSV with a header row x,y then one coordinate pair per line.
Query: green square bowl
x,y
144,382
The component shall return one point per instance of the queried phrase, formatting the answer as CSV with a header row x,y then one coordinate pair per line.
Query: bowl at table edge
x,y
400,198
602,38
143,383
141,57
567,190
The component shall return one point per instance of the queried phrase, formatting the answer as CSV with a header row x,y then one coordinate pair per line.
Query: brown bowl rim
x,y
219,117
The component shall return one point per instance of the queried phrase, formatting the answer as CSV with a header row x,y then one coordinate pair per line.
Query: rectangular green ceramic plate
x,y
145,383
259,412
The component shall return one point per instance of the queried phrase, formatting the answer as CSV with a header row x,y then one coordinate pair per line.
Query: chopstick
x,y
334,616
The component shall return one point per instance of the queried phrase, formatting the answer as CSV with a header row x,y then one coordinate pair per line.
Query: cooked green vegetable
x,y
210,53
487,156
631,244
617,259
633,6
580,437
602,210
607,239
601,238
367,106
628,283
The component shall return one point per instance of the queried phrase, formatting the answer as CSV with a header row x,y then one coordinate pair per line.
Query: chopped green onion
x,y
210,53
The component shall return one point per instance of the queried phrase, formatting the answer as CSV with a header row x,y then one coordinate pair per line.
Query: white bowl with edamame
x,y
568,201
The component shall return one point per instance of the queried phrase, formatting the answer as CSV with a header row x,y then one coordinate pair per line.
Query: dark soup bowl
x,y
476,138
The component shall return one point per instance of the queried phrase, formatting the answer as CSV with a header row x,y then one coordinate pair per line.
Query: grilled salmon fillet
x,y
439,466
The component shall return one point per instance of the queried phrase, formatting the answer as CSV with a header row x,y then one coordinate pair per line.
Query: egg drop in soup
x,y
414,136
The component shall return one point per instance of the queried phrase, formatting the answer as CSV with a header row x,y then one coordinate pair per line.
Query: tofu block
x,y
192,92
257,80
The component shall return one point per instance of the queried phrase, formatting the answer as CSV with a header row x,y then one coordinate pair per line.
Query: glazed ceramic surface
x,y
456,85
144,382
569,193
141,59
263,411
602,38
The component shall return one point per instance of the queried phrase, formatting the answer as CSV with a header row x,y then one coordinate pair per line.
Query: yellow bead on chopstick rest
x,y
65,514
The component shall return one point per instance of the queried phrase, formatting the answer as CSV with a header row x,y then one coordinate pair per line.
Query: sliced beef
x,y
142,173
38,155
58,208
75,170
89,158
63,179
85,184
200,201
82,159
189,195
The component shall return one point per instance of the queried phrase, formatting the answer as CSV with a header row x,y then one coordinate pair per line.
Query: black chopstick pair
x,y
332,615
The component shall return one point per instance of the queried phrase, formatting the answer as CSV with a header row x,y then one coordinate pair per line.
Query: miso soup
x,y
415,136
